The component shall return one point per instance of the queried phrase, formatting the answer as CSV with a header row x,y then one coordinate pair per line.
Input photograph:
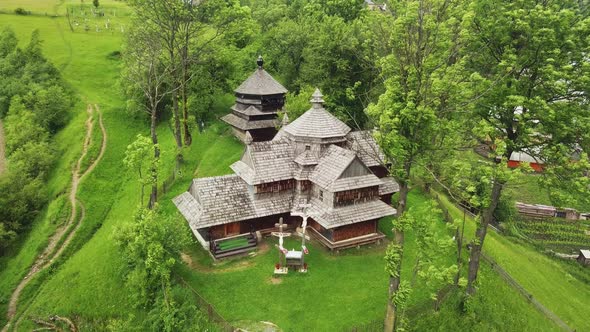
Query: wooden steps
x,y
243,244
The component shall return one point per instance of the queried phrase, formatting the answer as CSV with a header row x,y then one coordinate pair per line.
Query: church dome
x,y
317,122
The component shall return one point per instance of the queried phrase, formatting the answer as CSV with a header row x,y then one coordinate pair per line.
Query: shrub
x,y
506,210
21,11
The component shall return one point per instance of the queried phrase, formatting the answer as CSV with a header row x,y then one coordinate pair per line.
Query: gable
x,y
247,159
356,168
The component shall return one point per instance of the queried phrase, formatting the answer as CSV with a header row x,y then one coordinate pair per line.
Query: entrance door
x,y
232,229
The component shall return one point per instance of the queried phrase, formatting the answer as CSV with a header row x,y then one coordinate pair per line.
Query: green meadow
x,y
340,291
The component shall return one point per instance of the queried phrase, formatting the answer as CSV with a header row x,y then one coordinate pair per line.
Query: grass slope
x,y
547,279
340,291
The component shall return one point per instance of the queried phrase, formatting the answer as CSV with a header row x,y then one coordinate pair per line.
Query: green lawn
x,y
88,282
548,280
346,290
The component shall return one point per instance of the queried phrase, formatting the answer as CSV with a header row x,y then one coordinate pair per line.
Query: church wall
x,y
253,225
386,198
216,232
275,187
350,197
379,171
264,134
327,233
350,231
356,168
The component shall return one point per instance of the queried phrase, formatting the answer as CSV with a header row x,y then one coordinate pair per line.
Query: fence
x,y
447,216
208,309
548,313
506,276
169,181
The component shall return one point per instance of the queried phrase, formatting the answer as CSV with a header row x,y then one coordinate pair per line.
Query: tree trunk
x,y
175,81
188,139
459,237
480,234
153,170
187,133
177,133
394,282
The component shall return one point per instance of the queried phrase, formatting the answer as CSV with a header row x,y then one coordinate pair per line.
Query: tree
x,y
186,30
95,3
51,106
21,127
147,75
137,158
530,60
422,76
430,266
151,245
160,19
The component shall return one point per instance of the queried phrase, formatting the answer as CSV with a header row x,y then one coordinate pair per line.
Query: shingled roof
x,y
250,110
363,143
346,215
294,153
388,186
307,158
260,83
243,124
317,122
225,199
265,162
331,165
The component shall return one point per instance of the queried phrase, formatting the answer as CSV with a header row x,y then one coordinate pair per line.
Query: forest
x,y
434,80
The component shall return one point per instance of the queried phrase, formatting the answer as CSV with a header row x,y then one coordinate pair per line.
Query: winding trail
x,y
2,150
53,251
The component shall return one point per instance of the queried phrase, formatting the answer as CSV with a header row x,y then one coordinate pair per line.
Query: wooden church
x,y
316,163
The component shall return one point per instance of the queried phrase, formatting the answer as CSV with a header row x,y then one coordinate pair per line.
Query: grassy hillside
x,y
341,291
550,281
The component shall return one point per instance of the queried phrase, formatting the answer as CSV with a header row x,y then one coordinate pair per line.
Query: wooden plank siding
x,y
350,197
251,225
386,198
350,231
275,187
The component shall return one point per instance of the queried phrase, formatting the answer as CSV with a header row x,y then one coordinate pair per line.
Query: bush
x,y
21,11
506,209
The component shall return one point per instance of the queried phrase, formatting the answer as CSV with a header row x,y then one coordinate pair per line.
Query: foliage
x,y
429,265
422,78
151,245
21,11
139,158
539,274
34,103
530,77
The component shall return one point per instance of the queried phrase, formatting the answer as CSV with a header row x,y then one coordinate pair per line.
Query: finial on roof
x,y
285,120
248,139
317,99
260,62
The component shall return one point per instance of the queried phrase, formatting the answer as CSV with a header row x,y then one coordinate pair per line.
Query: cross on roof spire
x,y
317,99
